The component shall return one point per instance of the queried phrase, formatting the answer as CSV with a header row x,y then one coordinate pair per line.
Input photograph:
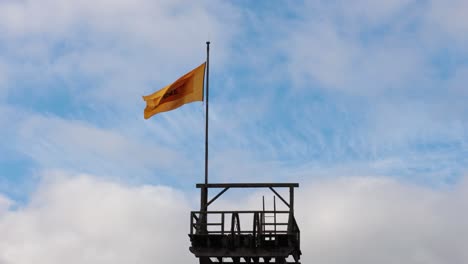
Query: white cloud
x,y
5,204
3,79
373,219
123,46
449,20
393,81
370,220
363,49
80,219
141,18
371,48
76,145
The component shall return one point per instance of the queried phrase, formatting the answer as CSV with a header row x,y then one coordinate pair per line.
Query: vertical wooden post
x,y
274,212
203,209
291,209
291,200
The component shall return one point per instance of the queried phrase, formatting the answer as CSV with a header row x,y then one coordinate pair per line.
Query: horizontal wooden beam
x,y
247,185
240,212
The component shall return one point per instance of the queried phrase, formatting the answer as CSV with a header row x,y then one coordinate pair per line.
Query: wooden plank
x,y
247,185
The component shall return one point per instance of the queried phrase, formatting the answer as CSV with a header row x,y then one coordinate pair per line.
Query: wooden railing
x,y
258,225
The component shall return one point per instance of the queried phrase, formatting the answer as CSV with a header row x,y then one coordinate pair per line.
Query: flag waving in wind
x,y
187,89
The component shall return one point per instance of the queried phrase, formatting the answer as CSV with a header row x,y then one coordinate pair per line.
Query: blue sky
x,y
301,91
378,89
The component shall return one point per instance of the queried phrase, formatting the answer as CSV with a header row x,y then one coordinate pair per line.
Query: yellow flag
x,y
187,89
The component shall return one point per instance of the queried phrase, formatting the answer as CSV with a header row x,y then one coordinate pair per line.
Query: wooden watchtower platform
x,y
262,237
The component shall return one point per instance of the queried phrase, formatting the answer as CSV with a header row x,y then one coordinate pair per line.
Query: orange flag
x,y
187,89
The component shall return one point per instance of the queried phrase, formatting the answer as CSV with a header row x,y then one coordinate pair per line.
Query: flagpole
x,y
206,109
204,190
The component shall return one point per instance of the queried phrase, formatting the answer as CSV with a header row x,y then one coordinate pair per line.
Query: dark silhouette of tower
x,y
268,237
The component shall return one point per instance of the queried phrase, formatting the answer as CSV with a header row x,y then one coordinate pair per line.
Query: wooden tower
x,y
262,237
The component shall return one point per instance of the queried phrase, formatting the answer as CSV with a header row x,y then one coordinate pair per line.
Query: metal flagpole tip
x,y
207,43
